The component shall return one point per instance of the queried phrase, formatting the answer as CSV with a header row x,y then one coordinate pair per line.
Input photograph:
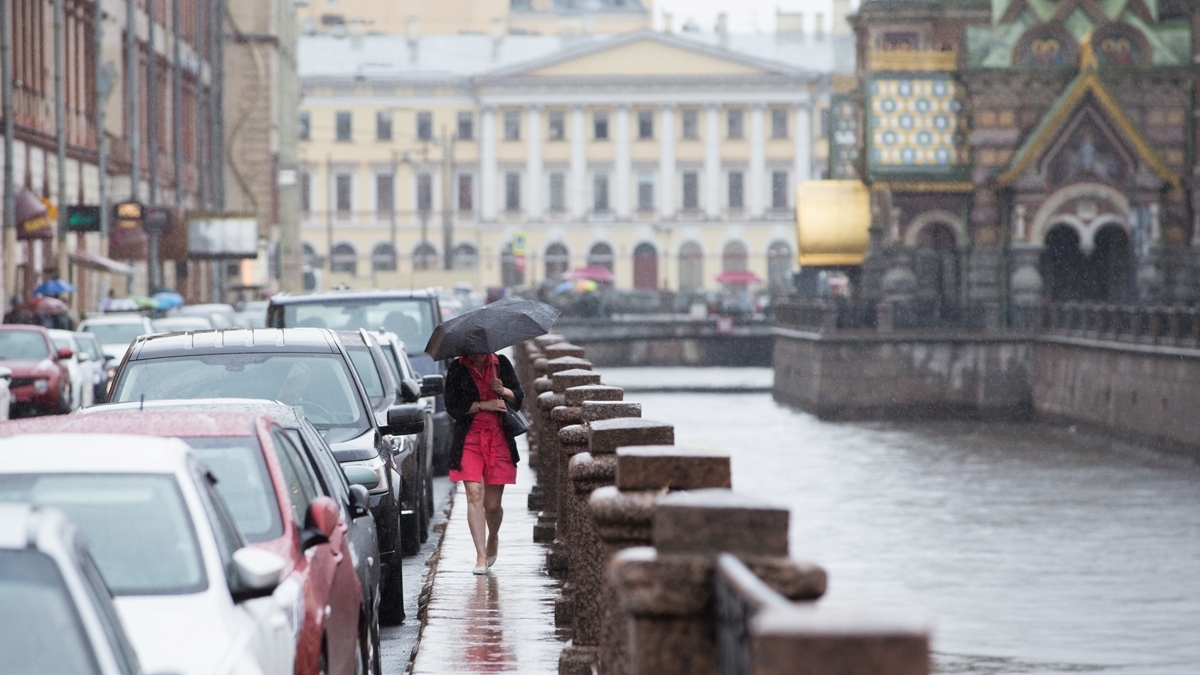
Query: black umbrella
x,y
491,328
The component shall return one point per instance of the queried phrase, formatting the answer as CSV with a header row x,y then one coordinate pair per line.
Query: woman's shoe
x,y
491,560
480,570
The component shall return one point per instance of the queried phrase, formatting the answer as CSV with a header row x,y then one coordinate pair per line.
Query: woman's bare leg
x,y
476,520
494,512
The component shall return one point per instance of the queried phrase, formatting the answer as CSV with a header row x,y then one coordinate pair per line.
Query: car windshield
x,y
409,318
320,384
21,345
115,333
42,634
244,483
62,343
137,526
367,372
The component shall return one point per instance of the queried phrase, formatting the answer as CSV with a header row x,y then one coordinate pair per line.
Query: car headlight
x,y
379,467
41,386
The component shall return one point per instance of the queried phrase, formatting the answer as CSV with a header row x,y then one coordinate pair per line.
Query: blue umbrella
x,y
168,299
564,286
54,287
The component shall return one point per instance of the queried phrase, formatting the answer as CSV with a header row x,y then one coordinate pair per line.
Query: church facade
x,y
1021,151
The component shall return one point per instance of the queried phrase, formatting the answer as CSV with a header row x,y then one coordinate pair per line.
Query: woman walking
x,y
480,388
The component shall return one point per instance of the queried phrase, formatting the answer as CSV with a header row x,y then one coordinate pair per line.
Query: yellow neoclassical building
x,y
507,160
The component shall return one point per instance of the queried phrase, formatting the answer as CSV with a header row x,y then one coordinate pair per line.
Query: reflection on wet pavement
x,y
499,623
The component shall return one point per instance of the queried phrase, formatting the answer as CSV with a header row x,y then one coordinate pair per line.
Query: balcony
x,y
921,60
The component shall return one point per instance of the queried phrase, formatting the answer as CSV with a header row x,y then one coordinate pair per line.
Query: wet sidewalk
x,y
502,622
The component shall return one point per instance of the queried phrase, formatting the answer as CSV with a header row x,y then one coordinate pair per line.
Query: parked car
x,y
303,367
181,324
252,314
41,383
78,367
276,502
97,363
218,314
193,597
5,395
57,614
411,315
116,332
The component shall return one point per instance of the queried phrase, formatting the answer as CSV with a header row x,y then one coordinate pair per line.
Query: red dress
x,y
486,458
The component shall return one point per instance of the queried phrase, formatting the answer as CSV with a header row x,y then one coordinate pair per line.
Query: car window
x,y
410,318
243,482
42,632
23,345
101,599
224,529
321,458
62,343
301,484
393,363
364,364
114,333
137,525
88,344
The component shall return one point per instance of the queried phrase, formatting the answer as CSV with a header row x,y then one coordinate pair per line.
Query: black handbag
x,y
515,422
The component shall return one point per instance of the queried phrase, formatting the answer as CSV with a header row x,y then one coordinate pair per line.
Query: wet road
x,y
1032,549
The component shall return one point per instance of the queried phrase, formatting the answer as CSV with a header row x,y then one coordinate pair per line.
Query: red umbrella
x,y
738,277
599,274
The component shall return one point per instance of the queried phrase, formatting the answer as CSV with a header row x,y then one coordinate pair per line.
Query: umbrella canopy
x,y
599,274
580,286
491,328
738,277
54,287
48,306
168,299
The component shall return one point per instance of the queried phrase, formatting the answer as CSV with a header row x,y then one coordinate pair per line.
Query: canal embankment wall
x,y
1140,391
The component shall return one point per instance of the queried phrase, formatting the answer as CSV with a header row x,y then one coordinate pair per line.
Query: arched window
x,y
425,256
733,258
779,266
600,255
691,267
343,258
645,266
558,260
511,275
383,257
466,256
308,255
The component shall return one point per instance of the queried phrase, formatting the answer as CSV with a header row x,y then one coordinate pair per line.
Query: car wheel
x,y
424,507
391,593
410,532
370,660
323,662
64,398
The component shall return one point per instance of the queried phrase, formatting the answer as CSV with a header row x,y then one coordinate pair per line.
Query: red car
x,y
40,381
276,501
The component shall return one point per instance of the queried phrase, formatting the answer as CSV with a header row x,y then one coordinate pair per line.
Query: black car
x,y
411,315
306,368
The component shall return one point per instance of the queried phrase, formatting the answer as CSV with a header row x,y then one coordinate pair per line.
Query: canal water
x,y
1030,548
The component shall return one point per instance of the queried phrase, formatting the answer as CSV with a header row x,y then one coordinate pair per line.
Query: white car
x,y
83,391
116,332
5,394
193,597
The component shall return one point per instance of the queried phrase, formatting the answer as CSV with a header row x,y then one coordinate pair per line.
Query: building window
x,y
600,255
645,192
305,126
385,193
305,184
733,258
466,126
425,257
737,196
383,125
512,191
691,190
558,125
735,119
466,257
691,124
779,266
558,260
600,126
466,192
343,258
691,267
342,192
424,193
779,189
645,120
558,192
383,257
825,123
779,123
512,125
600,193
424,126
344,128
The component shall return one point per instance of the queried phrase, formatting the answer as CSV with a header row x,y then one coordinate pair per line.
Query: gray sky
x,y
745,16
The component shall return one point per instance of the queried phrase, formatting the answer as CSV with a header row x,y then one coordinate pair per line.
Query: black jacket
x,y
461,393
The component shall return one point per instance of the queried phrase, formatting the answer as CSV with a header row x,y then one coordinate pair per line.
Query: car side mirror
x,y
258,573
5,373
319,523
360,500
361,475
65,353
404,420
410,390
84,357
432,385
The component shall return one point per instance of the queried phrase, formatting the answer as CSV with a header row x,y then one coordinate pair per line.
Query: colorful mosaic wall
x,y
917,125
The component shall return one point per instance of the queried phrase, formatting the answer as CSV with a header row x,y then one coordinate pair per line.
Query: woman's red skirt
x,y
486,458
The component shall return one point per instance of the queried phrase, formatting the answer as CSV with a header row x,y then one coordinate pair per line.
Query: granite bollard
x,y
548,459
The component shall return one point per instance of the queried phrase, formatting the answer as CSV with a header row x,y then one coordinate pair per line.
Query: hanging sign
x,y
128,215
83,218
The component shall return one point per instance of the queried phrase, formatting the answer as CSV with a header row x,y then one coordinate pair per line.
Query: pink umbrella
x,y
738,277
598,274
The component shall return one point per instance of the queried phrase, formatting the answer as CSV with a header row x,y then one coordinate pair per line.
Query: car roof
x,y
287,299
141,422
115,318
91,453
282,413
21,326
235,341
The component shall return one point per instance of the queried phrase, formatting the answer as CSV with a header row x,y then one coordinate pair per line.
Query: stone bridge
x,y
670,340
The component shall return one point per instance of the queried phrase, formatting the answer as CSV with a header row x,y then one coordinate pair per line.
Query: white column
x,y
622,189
712,160
666,162
533,161
487,164
804,134
578,162
758,161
